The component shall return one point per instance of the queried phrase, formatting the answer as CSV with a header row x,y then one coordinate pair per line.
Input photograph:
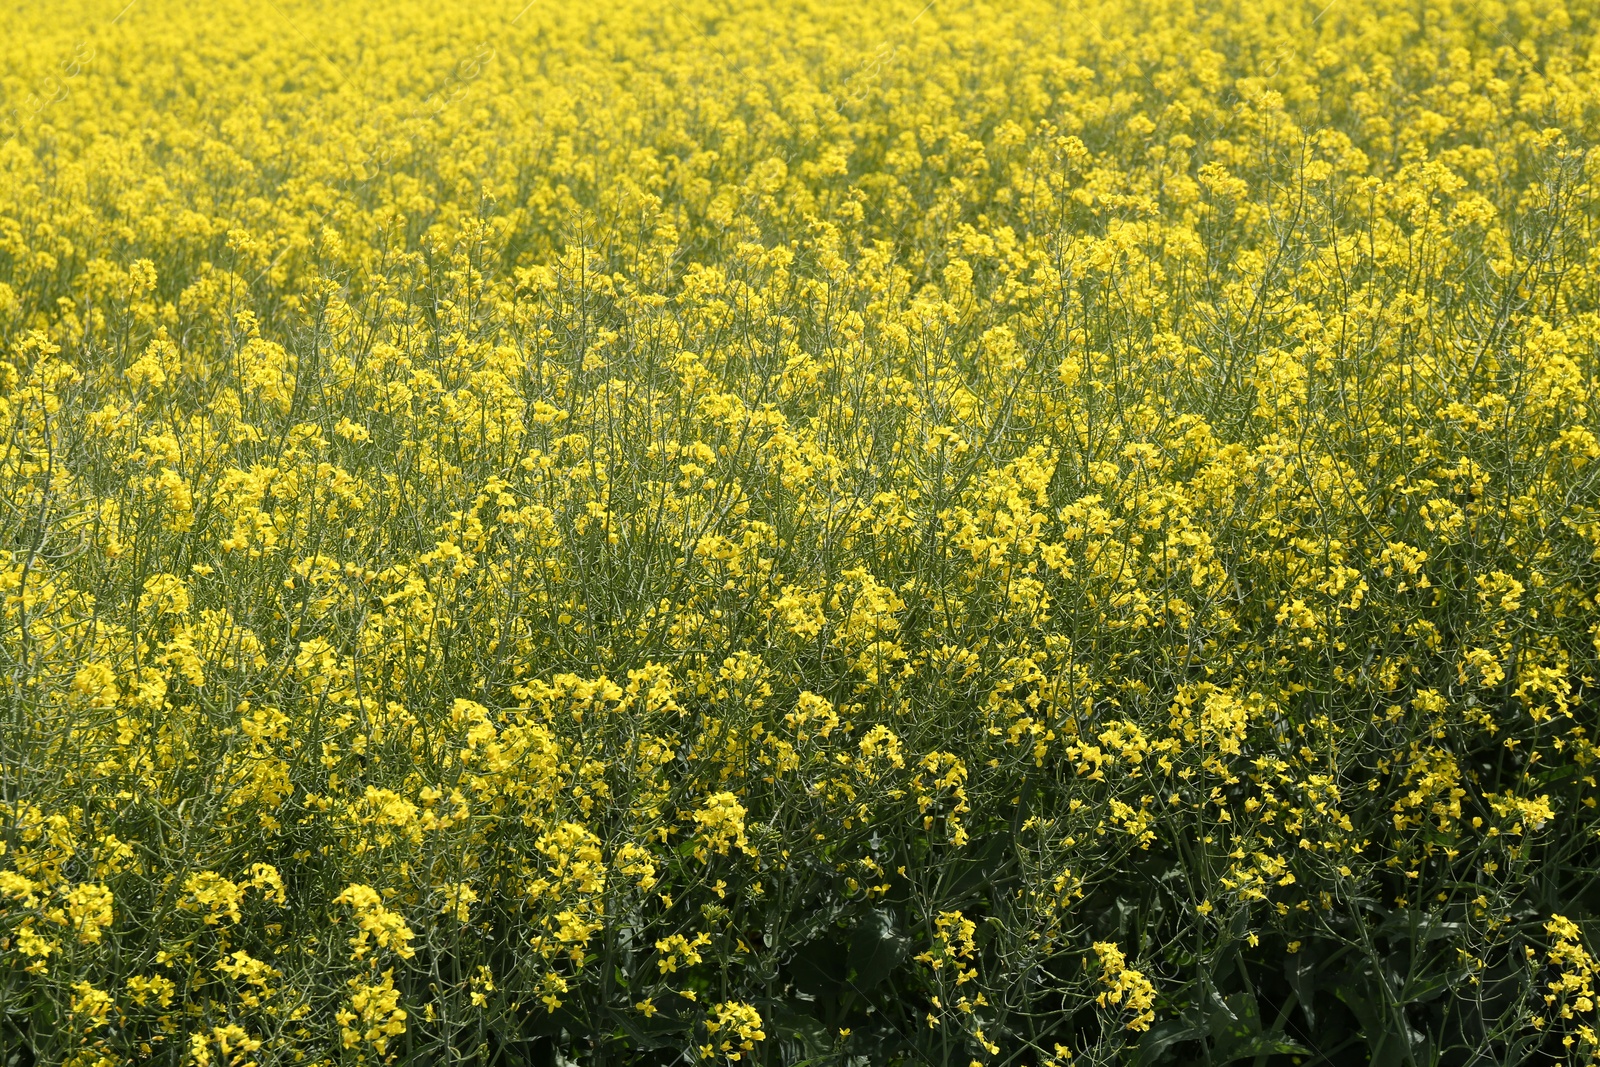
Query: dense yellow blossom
x,y
888,533
1126,990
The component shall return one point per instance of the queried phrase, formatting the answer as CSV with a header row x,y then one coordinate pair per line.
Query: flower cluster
x,y
1126,989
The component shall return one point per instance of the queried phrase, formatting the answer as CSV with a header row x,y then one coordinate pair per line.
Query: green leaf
x,y
1301,971
876,949
1162,1036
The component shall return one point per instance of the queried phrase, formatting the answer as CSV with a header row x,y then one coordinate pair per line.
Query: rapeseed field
x,y
722,531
